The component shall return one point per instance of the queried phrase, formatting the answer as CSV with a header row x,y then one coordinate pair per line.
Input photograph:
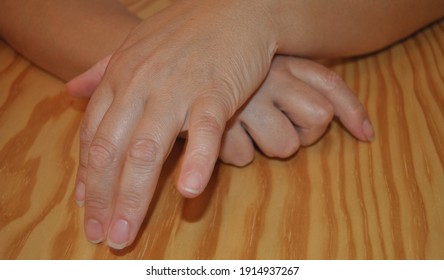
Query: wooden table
x,y
339,199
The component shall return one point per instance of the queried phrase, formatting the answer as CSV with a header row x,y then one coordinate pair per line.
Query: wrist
x,y
258,15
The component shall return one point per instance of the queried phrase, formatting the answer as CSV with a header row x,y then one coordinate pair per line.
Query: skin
x,y
54,41
291,108
128,129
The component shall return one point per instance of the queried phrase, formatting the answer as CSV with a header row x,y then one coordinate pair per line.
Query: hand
x,y
293,107
129,127
188,68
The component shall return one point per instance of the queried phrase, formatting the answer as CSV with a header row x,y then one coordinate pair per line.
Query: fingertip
x,y
367,129
362,131
356,122
94,231
191,184
84,85
119,235
81,86
72,89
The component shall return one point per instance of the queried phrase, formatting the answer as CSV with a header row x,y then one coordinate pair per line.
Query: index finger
x,y
206,126
346,104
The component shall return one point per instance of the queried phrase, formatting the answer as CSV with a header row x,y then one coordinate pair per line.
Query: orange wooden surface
x,y
339,199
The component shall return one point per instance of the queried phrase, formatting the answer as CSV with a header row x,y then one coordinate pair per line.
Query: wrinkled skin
x,y
171,76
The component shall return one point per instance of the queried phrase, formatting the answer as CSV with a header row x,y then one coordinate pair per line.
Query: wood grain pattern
x,y
339,199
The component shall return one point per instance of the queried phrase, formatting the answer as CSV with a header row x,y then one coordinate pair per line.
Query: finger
x,y
310,111
84,85
346,104
105,156
236,148
206,126
150,145
97,107
280,139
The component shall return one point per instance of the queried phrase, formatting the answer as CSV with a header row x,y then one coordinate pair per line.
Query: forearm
x,y
65,37
318,28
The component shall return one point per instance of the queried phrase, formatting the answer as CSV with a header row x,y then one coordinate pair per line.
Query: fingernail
x,y
118,237
80,194
368,130
94,231
193,182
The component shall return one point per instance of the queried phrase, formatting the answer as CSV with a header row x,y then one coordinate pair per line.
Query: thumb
x,y
84,85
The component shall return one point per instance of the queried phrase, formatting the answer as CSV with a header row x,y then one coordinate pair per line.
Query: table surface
x,y
338,199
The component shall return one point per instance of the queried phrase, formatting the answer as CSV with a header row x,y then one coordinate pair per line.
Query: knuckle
x,y
229,102
131,201
331,81
96,201
145,151
86,134
102,154
281,75
324,115
209,124
83,164
356,110
216,102
203,154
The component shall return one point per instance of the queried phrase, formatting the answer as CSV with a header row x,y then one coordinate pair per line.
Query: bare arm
x,y
319,28
65,37
61,36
